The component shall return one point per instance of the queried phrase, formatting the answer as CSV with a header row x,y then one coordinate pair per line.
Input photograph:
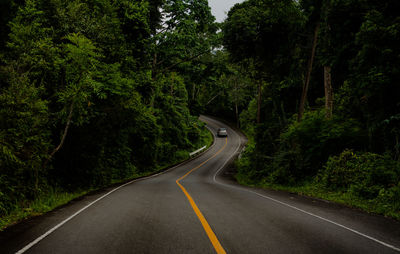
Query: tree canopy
x,y
83,101
93,92
341,52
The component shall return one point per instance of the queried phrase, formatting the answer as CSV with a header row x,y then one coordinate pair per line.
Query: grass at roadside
x,y
45,203
384,205
206,138
344,198
54,198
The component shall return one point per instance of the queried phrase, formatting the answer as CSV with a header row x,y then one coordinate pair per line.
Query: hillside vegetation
x,y
324,112
94,92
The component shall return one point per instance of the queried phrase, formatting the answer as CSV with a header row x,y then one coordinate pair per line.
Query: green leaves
x,y
81,65
82,104
365,175
187,32
261,29
24,139
358,41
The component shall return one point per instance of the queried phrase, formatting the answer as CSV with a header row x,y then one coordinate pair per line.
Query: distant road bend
x,y
196,207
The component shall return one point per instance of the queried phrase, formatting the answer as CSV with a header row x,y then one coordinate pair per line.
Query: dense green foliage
x,y
359,42
95,91
366,175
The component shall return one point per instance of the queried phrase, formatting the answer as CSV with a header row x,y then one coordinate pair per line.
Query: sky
x,y
220,8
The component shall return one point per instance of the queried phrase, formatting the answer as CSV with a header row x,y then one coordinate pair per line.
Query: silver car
x,y
222,132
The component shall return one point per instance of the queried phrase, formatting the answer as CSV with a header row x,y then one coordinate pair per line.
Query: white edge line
x,y
295,208
34,242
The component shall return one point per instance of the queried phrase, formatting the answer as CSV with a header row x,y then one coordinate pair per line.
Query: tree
x,y
186,33
308,74
77,85
81,63
24,138
263,31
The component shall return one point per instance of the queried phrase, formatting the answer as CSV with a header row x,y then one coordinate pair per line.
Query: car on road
x,y
222,132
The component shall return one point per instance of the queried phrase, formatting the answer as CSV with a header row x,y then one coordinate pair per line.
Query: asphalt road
x,y
198,208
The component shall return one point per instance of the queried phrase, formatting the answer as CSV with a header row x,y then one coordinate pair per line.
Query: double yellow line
x,y
213,238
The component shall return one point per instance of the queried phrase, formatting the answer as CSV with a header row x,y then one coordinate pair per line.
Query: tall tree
x,y
263,31
81,63
187,31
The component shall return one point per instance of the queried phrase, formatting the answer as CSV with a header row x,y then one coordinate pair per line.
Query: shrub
x,y
248,170
311,141
285,167
24,140
366,175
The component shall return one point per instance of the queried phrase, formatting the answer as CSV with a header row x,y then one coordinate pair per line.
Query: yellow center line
x,y
213,238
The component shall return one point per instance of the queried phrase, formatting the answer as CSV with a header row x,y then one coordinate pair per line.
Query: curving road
x,y
196,207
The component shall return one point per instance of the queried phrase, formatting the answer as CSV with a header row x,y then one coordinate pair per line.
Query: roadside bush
x,y
247,171
301,150
285,167
365,175
389,199
24,141
306,145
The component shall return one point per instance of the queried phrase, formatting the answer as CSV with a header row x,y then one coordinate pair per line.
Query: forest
x,y
324,115
95,92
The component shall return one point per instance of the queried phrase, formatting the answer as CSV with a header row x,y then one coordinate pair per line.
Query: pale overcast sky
x,y
220,8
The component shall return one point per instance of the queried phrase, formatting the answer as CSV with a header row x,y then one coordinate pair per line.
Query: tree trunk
x,y
308,75
236,103
153,77
69,120
397,148
237,115
172,84
154,67
259,103
185,60
328,91
36,180
213,98
283,113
